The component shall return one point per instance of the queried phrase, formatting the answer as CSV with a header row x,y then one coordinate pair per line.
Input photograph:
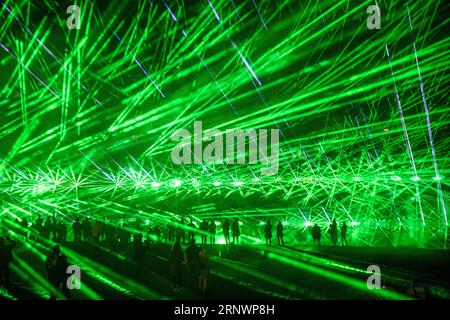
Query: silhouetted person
x,y
179,231
334,232
87,229
139,256
280,233
176,260
268,232
63,276
39,227
56,266
124,235
235,228
344,234
212,232
97,231
57,231
53,229
77,230
63,231
203,270
226,231
192,259
47,229
191,234
316,234
6,257
171,232
204,227
24,227
182,232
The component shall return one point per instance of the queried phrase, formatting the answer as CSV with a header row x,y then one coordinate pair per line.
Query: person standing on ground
x,y
316,234
204,227
77,230
176,260
226,231
235,228
280,233
334,232
203,270
212,232
191,233
139,256
192,259
268,232
344,234
56,266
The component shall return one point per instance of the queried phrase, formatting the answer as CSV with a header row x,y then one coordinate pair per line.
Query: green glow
x,y
87,118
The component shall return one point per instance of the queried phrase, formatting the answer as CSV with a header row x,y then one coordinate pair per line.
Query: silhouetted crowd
x,y
194,258
193,261
189,268
333,232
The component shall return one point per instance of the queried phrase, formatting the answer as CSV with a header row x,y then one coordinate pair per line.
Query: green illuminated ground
x,y
86,115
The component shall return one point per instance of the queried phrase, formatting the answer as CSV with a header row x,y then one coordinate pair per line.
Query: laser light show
x,y
224,149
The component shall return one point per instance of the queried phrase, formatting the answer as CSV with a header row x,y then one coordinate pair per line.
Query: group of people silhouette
x,y
333,231
176,231
56,266
268,233
197,266
192,264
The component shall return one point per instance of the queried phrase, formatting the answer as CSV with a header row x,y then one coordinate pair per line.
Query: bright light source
x,y
437,178
415,178
195,182
238,183
354,223
216,183
396,178
155,184
357,179
175,183
308,224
